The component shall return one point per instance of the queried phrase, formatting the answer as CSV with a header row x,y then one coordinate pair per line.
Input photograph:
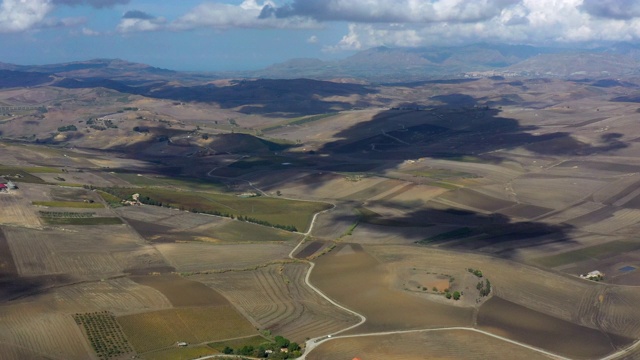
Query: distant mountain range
x,y
383,64
378,65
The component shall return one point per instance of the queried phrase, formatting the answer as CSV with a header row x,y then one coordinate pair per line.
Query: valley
x,y
355,219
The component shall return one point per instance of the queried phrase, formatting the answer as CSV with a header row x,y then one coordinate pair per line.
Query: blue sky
x,y
250,34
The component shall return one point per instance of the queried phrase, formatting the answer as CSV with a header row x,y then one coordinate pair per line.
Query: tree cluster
x,y
280,348
475,272
484,287
67,128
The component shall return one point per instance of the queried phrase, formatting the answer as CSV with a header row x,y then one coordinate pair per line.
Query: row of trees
x,y
149,201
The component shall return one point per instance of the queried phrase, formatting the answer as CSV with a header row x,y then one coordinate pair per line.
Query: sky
x,y
200,35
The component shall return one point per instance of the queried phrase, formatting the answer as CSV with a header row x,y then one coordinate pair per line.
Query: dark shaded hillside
x,y
264,96
10,79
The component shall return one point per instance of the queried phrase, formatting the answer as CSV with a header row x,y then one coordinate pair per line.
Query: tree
x,y
281,342
227,350
456,295
448,295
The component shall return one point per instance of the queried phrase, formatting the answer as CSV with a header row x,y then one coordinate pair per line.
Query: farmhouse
x,y
593,275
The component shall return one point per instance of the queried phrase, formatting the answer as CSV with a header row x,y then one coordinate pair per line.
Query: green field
x,y
113,201
254,163
442,174
83,221
298,121
158,329
275,211
238,231
183,183
175,352
32,169
19,175
254,341
69,204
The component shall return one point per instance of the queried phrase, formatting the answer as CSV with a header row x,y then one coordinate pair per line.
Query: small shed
x,y
11,185
3,187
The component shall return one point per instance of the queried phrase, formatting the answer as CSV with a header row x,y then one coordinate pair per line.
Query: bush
x,y
67,128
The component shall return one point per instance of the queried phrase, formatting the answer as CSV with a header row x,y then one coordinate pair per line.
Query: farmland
x,y
160,329
412,204
278,212
285,305
104,334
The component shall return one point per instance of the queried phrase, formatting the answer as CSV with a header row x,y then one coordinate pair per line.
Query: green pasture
x,y
276,211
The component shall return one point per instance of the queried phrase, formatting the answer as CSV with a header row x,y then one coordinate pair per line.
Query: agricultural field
x,y
158,224
195,257
358,280
69,204
276,298
529,182
271,211
104,335
161,329
86,251
442,344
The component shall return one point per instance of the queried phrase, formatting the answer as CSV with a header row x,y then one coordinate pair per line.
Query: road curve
x,y
313,343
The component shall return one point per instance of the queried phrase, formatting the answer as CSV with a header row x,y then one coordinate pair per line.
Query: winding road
x,y
311,344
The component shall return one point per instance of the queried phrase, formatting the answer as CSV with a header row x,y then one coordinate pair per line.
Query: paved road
x,y
313,343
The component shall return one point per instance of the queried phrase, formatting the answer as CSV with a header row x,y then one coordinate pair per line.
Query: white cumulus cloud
x,y
21,15
525,21
246,15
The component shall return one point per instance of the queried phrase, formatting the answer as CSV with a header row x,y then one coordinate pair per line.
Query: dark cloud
x,y
391,11
94,3
137,14
613,9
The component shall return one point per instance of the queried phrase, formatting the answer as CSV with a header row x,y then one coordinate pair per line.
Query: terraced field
x,y
276,298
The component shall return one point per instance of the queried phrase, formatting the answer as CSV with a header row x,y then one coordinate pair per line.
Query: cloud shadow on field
x,y
268,97
493,233
13,288
462,130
